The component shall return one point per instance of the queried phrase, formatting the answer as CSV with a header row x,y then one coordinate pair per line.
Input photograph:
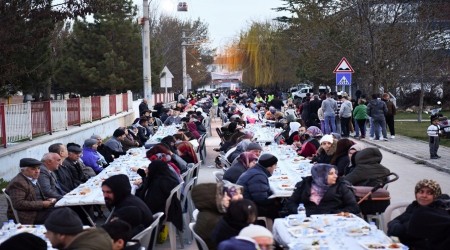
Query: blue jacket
x,y
256,184
90,158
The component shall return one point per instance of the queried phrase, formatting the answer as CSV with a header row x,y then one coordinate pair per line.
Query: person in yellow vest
x,y
270,97
258,98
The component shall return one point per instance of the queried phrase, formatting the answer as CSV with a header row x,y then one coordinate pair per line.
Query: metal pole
x,y
165,85
146,55
183,51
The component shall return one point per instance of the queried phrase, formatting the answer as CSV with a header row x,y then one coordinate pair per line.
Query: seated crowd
x,y
227,210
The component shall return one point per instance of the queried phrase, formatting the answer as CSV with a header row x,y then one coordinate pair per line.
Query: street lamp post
x,y
147,72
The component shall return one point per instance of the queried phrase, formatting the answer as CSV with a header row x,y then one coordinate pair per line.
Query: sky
x,y
226,18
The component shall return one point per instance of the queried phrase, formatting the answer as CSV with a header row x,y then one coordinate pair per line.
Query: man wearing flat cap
x,y
256,186
80,172
26,195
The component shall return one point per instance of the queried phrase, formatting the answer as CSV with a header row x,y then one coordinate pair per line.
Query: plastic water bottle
x,y
373,228
301,211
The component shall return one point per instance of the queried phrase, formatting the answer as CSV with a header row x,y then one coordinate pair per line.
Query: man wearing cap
x,y
62,226
252,147
26,195
143,106
80,172
256,186
117,194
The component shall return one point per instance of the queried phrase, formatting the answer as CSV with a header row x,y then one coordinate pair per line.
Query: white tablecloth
x,y
90,193
162,132
290,169
330,232
38,230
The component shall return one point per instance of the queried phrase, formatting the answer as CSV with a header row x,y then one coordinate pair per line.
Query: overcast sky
x,y
226,18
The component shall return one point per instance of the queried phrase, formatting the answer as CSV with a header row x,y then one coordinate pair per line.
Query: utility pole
x,y
146,55
183,58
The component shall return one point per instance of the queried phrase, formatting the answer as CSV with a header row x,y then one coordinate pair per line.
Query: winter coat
x,y
325,157
399,227
377,109
256,184
338,198
92,239
234,172
368,168
360,112
207,199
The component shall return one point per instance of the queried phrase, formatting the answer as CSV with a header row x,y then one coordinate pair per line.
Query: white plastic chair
x,y
186,202
200,242
145,236
219,175
172,229
16,215
393,211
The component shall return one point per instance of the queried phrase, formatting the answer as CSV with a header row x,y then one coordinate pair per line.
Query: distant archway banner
x,y
226,75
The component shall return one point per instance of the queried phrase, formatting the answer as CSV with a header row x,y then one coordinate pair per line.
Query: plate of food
x,y
280,178
371,246
287,186
307,232
294,220
358,231
298,159
345,215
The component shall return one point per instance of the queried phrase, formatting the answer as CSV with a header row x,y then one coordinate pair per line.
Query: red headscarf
x,y
186,149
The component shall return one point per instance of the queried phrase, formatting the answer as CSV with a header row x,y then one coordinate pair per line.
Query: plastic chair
x,y
158,121
16,215
225,163
267,221
393,211
194,172
172,230
219,175
145,236
186,202
200,242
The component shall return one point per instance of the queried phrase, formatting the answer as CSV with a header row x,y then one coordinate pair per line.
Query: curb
x,y
418,160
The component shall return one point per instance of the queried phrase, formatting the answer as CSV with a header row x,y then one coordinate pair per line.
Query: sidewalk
x,y
415,150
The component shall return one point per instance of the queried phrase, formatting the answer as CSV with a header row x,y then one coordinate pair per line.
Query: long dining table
x,y
342,231
90,192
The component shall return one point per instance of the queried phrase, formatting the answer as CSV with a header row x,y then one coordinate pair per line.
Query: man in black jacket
x,y
117,193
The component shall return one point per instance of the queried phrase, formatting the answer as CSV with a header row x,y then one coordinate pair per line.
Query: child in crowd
x,y
433,132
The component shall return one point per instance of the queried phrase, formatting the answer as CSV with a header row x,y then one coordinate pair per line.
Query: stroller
x,y
374,200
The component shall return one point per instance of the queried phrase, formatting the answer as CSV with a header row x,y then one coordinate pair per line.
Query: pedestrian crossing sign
x,y
343,78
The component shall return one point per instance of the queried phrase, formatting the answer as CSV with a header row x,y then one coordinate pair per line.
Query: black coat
x,y
399,227
224,231
338,198
234,172
155,191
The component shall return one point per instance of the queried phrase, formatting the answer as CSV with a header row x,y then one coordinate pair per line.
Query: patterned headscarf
x,y
431,184
319,173
246,158
314,131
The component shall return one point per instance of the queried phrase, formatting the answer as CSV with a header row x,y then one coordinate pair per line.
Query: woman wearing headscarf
x,y
326,150
427,192
340,158
162,152
240,214
323,193
352,151
155,190
310,143
241,147
244,161
186,152
293,132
